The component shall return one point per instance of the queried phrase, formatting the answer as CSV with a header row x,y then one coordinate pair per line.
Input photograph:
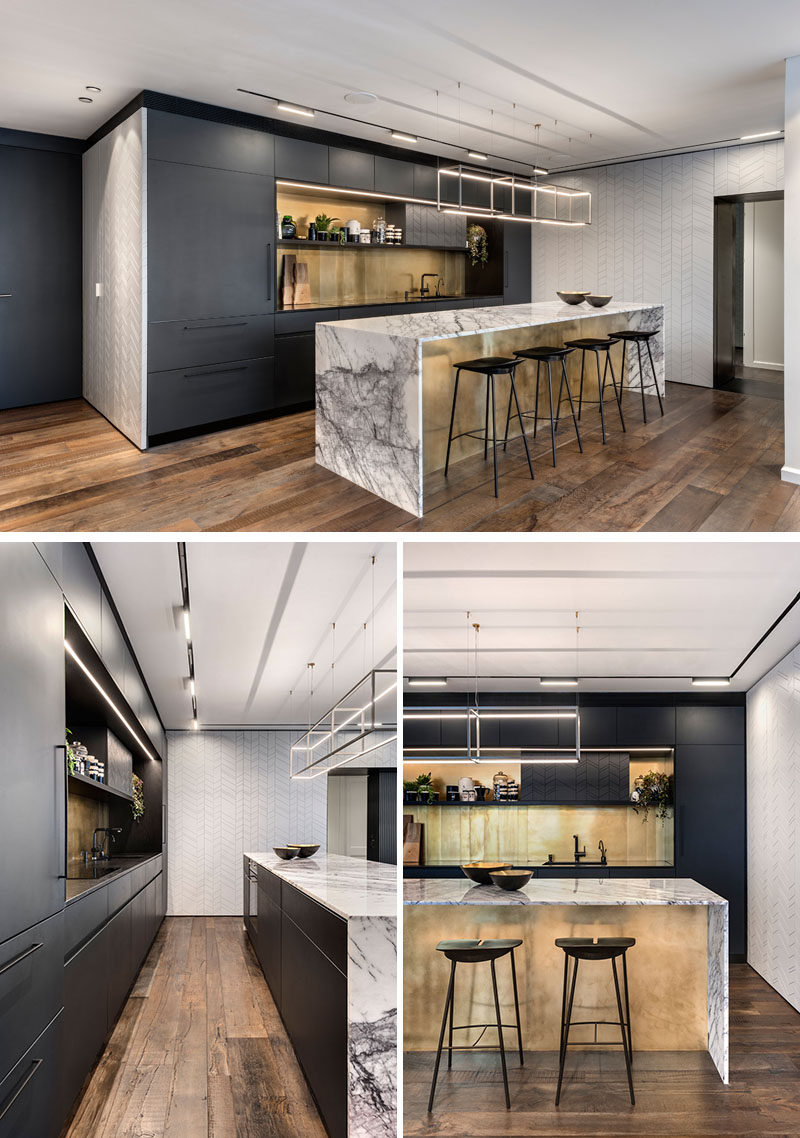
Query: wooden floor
x,y
678,1094
199,1050
711,463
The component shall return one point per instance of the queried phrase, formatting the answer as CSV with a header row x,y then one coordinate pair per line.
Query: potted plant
x,y
323,224
653,791
410,796
425,790
337,234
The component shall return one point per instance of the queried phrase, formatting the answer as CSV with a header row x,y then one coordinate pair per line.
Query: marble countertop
x,y
78,887
348,886
442,325
563,891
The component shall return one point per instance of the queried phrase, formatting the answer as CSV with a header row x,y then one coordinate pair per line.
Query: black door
x,y
40,276
516,262
211,237
32,805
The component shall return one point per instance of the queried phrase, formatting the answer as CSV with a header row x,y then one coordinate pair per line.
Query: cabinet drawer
x,y
303,321
270,884
119,892
192,343
30,1095
31,987
365,312
190,398
320,925
82,917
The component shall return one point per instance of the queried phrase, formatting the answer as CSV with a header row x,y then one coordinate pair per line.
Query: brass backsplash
x,y
84,815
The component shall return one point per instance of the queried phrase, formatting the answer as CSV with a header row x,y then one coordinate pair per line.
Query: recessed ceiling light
x,y
475,154
426,681
710,681
559,682
762,134
398,134
306,112
360,98
96,89
84,99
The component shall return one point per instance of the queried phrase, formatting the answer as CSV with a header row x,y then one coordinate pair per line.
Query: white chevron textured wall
x,y
229,792
773,827
652,239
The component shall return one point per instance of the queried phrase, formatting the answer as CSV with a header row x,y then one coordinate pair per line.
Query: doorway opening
x,y
748,294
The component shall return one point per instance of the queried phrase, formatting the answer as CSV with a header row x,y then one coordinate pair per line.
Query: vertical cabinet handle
x,y
6,1107
269,271
505,269
62,810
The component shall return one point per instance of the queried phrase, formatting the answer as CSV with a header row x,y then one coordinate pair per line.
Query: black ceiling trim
x,y
584,699
769,632
30,140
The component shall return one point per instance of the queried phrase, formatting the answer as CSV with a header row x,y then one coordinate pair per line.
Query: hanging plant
x,y
652,791
478,245
137,806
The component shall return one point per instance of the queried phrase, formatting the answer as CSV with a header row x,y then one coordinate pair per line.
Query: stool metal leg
x,y
627,1003
600,386
448,998
486,422
641,379
516,1008
552,418
536,407
565,381
452,420
500,1035
655,381
508,420
610,363
452,1006
494,437
566,1025
521,423
623,1032
623,362
580,389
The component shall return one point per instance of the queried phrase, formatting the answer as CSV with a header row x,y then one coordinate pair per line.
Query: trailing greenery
x,y
137,806
71,757
653,791
478,245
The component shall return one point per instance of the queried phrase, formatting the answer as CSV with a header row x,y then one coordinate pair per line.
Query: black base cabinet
x,y
30,1105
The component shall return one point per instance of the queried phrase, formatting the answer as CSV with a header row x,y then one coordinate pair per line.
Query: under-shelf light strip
x,y
107,698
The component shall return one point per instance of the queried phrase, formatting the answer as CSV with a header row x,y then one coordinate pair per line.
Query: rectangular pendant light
x,y
293,109
343,733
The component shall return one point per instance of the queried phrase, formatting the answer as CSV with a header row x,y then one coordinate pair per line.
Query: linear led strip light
x,y
360,719
476,753
539,213
107,698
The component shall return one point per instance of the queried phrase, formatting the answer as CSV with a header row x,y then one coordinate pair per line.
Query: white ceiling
x,y
649,611
636,77
260,613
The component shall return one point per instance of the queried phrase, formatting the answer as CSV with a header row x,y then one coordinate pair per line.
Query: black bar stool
x,y
639,338
476,952
598,346
603,948
490,366
547,356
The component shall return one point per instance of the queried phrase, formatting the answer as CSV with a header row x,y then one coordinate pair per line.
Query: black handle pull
x,y
202,327
214,370
269,271
18,959
6,1107
505,282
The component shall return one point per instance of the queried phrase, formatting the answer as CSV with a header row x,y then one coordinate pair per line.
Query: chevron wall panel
x,y
113,255
773,827
652,239
229,792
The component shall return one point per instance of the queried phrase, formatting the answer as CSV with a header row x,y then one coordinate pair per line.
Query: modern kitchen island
x,y
384,384
678,969
325,933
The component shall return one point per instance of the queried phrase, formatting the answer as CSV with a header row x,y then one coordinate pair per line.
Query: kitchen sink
x,y
577,864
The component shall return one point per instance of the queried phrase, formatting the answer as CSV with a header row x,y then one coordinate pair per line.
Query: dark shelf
x,y
294,242
91,788
614,802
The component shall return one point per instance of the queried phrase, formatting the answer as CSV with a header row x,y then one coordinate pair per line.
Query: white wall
x,y
347,815
114,323
763,285
229,792
791,275
773,827
651,239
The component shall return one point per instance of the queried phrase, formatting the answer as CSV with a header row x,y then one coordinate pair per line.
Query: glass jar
x,y
379,229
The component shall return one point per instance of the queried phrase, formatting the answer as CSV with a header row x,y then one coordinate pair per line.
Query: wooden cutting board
x,y
302,289
287,280
412,844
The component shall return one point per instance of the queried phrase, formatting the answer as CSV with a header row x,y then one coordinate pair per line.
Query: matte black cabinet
x,y
393,176
268,944
598,726
200,142
86,981
352,169
211,237
31,987
646,726
82,590
425,181
119,939
32,767
298,160
31,1103
193,397
295,369
40,276
517,268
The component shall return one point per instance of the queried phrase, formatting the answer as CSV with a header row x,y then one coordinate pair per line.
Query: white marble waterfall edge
x,y
369,384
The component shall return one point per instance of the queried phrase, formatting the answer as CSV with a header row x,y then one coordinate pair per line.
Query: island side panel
x,y
372,1026
368,411
667,971
718,1010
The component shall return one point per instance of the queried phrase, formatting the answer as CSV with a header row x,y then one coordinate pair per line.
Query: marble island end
x,y
325,932
678,967
384,384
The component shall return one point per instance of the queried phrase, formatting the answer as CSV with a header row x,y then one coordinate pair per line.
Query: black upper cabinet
x,y
351,168
32,768
393,176
645,726
211,238
297,160
40,266
516,263
425,180
82,590
710,724
598,726
176,138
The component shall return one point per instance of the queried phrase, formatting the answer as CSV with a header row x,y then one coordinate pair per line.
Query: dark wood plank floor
x,y
678,1095
711,463
199,1050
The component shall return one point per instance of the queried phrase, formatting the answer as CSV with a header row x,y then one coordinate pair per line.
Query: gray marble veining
x,y
348,886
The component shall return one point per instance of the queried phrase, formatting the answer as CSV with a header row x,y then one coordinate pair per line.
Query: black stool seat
x,y
602,948
590,343
629,334
476,951
488,365
543,353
